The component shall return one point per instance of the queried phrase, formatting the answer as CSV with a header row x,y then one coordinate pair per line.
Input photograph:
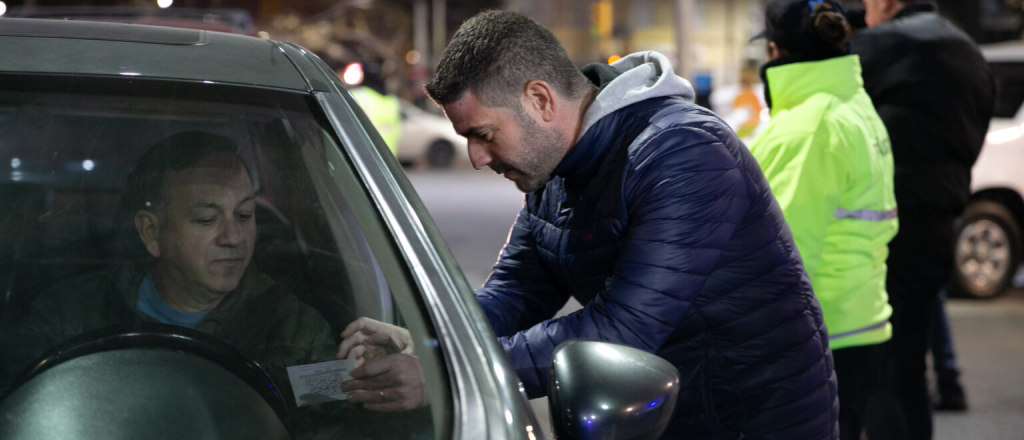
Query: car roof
x,y
224,20
116,49
1008,52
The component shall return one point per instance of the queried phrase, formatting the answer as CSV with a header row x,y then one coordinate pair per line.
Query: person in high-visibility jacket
x,y
384,112
383,108
827,158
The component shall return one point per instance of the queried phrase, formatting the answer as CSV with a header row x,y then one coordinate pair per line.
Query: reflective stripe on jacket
x,y
827,157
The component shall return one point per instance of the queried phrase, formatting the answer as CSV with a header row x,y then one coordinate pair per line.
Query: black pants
x,y
920,262
857,370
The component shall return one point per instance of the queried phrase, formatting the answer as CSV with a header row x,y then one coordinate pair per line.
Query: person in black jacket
x,y
934,92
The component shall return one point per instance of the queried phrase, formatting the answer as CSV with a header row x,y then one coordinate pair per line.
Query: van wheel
x,y
440,154
987,251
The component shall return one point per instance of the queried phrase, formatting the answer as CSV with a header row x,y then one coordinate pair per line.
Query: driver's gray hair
x,y
174,153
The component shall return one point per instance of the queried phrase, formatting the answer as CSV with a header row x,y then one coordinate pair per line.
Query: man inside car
x,y
192,201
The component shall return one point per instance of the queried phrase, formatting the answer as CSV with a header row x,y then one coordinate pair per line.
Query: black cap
x,y
790,25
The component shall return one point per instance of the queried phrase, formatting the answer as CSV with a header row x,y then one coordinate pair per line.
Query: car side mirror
x,y
605,391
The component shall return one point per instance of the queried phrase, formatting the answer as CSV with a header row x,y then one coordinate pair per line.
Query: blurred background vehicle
x,y
988,239
429,139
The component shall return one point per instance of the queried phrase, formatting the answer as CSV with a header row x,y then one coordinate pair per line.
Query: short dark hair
x,y
173,153
495,54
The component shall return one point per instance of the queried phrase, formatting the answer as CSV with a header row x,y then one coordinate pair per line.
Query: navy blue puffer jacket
x,y
661,224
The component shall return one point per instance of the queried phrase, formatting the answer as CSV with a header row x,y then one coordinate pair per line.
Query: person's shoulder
x,y
786,129
85,295
289,307
260,283
676,110
921,30
787,136
852,118
807,117
682,139
292,306
108,280
677,123
870,43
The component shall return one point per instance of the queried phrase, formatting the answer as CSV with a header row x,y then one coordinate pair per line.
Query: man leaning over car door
x,y
648,210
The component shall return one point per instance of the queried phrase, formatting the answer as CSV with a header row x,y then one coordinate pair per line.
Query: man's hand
x,y
366,339
392,383
389,372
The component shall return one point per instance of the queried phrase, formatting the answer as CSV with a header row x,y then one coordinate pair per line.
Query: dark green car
x,y
191,219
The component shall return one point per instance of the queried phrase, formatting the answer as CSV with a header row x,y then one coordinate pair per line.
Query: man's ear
x,y
539,98
890,8
774,52
148,226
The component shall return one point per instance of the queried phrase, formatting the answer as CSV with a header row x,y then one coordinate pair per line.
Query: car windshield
x,y
221,212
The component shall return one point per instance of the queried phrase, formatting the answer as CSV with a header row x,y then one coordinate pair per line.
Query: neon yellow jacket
x,y
384,111
827,157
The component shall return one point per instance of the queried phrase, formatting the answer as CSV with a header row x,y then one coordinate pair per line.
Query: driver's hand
x,y
366,339
392,383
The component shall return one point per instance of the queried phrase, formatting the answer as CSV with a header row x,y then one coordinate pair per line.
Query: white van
x,y
988,237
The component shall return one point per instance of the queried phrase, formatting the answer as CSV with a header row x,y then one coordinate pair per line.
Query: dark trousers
x,y
857,371
943,355
919,264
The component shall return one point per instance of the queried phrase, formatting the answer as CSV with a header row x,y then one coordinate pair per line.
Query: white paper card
x,y
319,383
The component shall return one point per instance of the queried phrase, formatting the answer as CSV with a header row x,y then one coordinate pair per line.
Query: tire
x,y
440,154
987,251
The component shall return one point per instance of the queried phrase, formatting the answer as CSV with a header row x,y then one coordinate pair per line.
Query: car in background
x,y
429,139
339,229
988,237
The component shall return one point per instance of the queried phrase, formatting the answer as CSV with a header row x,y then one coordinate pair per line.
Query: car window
x,y
212,207
1009,79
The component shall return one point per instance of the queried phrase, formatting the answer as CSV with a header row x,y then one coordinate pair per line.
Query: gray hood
x,y
645,75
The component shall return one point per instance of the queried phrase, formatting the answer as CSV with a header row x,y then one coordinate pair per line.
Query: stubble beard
x,y
542,151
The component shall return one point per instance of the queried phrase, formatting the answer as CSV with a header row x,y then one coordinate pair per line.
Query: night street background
x,y
395,46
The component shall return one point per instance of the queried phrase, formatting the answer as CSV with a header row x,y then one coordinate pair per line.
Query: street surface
x,y
475,209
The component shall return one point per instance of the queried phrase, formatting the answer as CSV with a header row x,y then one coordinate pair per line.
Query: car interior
x,y
67,156
67,145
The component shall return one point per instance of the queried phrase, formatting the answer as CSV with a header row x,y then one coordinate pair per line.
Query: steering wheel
x,y
167,337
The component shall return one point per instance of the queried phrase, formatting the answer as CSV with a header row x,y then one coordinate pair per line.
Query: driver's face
x,y
207,229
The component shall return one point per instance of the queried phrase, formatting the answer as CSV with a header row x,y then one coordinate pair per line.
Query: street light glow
x,y
164,4
353,74
3,8
413,57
